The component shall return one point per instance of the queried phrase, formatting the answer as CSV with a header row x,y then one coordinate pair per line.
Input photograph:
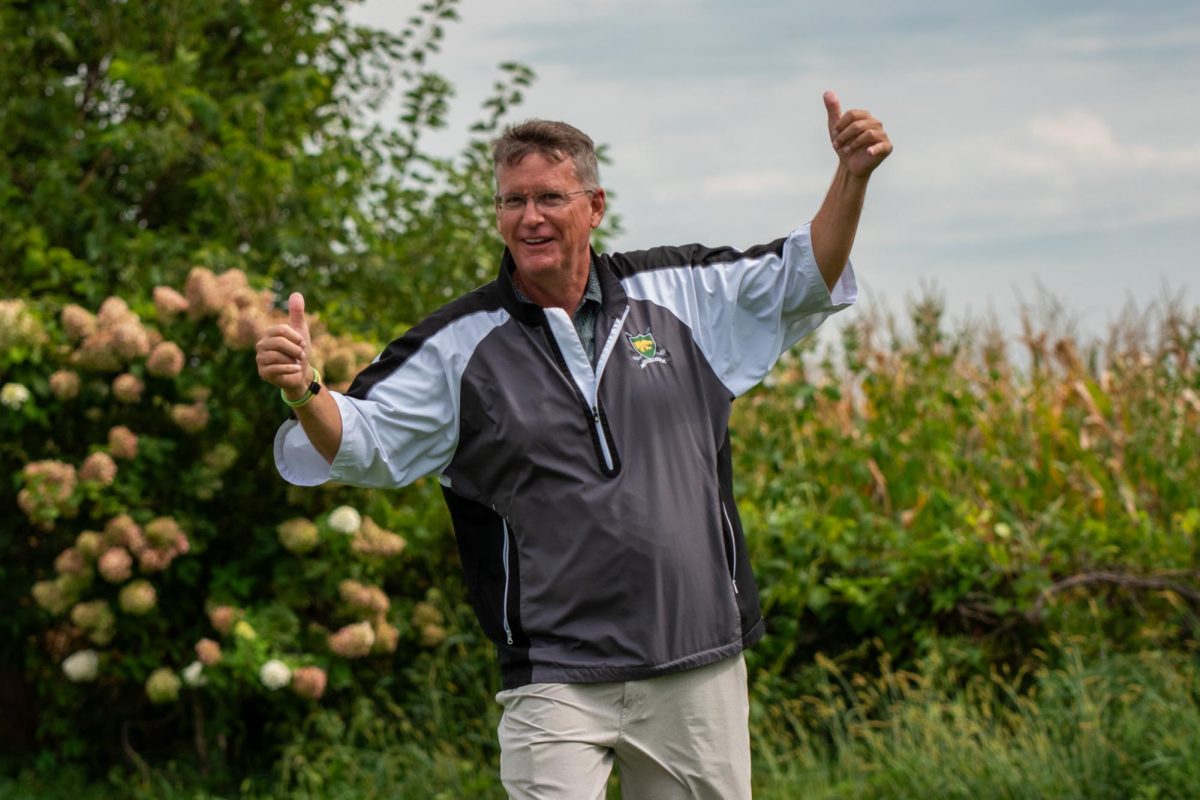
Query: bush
x,y
171,590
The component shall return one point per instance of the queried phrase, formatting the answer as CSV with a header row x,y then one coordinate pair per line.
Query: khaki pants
x,y
684,735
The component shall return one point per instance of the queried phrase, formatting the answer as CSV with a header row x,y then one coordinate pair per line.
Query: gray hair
x,y
555,141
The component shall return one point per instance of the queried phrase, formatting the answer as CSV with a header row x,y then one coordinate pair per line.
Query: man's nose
x,y
531,214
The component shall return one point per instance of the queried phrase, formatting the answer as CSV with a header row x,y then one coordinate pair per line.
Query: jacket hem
x,y
516,675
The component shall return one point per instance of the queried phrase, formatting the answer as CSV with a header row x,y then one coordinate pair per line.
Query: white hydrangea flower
x,y
15,395
345,519
275,674
81,667
192,674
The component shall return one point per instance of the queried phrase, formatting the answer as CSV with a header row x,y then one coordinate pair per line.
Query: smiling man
x,y
576,411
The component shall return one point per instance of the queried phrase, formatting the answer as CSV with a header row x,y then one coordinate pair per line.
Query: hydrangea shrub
x,y
160,563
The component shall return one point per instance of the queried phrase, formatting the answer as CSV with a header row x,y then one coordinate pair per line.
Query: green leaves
x,y
926,484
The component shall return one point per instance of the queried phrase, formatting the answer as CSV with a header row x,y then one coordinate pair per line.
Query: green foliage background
x,y
939,517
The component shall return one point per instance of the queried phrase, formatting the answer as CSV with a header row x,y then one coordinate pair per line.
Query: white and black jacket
x,y
593,509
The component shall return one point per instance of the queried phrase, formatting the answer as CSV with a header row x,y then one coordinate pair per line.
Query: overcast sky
x,y
1037,143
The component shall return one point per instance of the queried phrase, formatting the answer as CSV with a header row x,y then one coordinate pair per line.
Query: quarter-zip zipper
x,y
508,635
590,407
732,548
602,438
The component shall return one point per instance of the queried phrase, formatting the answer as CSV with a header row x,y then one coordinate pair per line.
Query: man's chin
x,y
534,266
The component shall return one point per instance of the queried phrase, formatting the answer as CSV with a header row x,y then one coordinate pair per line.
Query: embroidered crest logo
x,y
646,350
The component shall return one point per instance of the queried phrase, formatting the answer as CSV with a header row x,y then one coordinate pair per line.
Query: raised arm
x,y
861,145
283,353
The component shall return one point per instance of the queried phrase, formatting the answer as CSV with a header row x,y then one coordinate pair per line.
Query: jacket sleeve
x,y
400,418
744,308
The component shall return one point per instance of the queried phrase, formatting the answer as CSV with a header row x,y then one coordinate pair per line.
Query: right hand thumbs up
x,y
296,316
282,352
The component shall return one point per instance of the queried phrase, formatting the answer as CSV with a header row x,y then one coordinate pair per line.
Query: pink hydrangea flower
x,y
163,532
193,418
222,618
99,468
77,321
115,565
309,682
64,384
298,535
98,353
169,303
209,652
53,478
353,641
233,282
130,339
151,559
92,614
363,597
113,311
122,442
90,543
372,540
137,598
203,292
166,360
71,562
51,596
387,637
241,327
48,490
128,388
122,530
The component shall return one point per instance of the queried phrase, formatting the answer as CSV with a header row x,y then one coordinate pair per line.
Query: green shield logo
x,y
644,345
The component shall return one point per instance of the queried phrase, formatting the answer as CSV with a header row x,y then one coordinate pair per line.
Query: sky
x,y
1044,152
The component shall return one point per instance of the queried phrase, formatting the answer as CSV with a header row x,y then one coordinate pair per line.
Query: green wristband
x,y
313,388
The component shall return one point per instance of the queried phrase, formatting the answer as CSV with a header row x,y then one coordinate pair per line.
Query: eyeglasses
x,y
543,201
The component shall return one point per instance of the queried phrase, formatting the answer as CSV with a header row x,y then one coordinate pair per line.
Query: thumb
x,y
833,107
296,314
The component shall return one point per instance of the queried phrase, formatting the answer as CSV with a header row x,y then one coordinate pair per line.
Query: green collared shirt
x,y
585,315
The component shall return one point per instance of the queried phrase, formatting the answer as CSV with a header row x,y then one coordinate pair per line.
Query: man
x,y
576,411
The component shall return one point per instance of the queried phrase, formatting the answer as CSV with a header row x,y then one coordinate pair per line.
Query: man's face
x,y
544,241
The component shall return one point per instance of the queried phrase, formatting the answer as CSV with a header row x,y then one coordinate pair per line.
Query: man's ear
x,y
598,206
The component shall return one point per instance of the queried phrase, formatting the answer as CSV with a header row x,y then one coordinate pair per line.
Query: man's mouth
x,y
535,241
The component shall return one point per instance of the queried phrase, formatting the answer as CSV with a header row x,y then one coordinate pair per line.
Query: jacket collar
x,y
614,299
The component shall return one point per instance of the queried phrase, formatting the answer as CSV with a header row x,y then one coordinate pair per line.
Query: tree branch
x,y
1122,579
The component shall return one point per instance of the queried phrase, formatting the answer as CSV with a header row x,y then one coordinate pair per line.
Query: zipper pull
x,y
509,637
735,589
596,414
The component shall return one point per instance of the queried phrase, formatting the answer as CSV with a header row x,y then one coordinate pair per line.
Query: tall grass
x,y
1125,726
1121,726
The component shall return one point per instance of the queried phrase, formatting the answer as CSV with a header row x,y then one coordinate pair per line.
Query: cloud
x,y
1076,134
1056,140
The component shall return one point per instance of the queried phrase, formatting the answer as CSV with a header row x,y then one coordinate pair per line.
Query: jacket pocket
x,y
731,544
508,634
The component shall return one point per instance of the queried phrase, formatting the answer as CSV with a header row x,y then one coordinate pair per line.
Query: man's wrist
x,y
305,396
